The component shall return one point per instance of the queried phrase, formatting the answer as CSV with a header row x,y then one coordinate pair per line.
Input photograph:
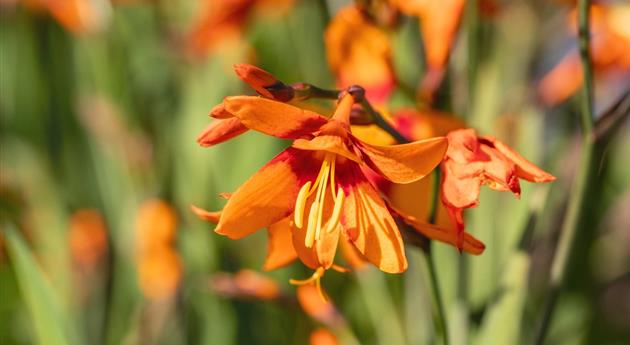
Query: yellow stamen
x,y
310,229
321,196
340,269
315,278
336,215
332,177
316,212
300,204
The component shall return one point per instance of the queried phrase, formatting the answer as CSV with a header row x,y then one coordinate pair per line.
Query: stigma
x,y
319,187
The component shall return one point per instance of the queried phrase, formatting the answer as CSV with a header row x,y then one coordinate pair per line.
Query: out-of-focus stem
x,y
570,226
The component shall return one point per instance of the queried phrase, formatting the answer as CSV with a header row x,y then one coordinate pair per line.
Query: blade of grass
x,y
41,301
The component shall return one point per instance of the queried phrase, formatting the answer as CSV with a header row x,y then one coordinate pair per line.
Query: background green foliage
x,y
56,158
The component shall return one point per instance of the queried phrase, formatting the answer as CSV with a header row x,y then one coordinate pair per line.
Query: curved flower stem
x,y
570,226
437,297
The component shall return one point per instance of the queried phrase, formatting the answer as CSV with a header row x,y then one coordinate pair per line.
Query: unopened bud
x,y
264,82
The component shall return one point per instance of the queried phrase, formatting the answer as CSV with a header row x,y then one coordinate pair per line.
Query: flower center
x,y
314,228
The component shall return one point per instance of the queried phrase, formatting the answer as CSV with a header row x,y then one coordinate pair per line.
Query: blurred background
x,y
101,103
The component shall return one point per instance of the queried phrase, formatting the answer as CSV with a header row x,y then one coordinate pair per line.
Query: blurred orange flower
x,y
246,284
220,21
472,161
323,336
76,16
359,52
295,183
318,308
87,238
610,53
159,265
439,21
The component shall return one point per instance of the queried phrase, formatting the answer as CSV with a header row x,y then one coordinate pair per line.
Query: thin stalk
x,y
441,311
570,227
305,91
437,296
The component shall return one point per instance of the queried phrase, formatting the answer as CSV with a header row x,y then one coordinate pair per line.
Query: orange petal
x,y
274,118
462,192
280,250
212,217
405,163
471,245
219,112
351,255
221,130
264,82
265,198
329,143
524,168
562,81
371,228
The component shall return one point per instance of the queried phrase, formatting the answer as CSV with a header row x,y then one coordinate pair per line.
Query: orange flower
x,y
223,20
246,284
159,265
322,336
318,188
76,16
472,161
439,21
412,202
318,308
88,238
610,53
359,52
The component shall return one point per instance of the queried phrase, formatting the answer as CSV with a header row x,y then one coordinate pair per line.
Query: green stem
x,y
437,297
571,223
305,91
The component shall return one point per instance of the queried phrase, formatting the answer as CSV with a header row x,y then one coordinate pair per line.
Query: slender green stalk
x,y
305,91
571,223
437,296
441,311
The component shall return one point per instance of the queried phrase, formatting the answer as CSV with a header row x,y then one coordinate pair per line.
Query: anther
x,y
300,203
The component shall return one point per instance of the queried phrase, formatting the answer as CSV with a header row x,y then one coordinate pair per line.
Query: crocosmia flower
x,y
439,21
360,52
317,189
610,53
473,161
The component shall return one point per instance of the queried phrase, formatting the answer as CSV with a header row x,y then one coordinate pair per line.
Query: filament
x,y
319,187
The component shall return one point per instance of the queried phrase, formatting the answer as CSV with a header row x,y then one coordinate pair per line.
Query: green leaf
x,y
502,321
41,301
